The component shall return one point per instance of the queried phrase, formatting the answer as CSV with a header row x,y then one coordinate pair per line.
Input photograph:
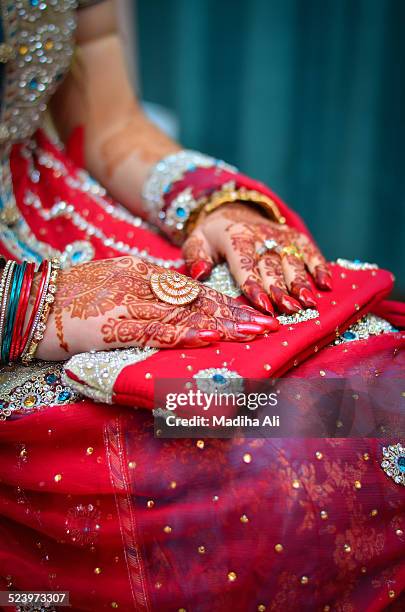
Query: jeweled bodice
x,y
36,50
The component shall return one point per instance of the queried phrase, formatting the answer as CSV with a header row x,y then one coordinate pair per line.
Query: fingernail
x,y
307,297
267,322
324,280
264,302
200,270
209,335
249,328
285,303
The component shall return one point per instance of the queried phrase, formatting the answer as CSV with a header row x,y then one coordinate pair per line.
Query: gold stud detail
x,y
261,608
322,372
167,529
247,458
366,456
150,503
267,367
97,570
57,477
232,576
148,375
391,594
132,465
357,484
304,580
279,548
318,455
244,519
201,550
295,484
347,548
89,450
200,444
374,512
173,484
399,532
324,515
114,604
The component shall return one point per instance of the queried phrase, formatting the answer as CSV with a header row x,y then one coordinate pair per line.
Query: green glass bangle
x,y
15,291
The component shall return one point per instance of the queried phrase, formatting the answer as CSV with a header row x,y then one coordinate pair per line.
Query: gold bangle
x,y
226,196
229,194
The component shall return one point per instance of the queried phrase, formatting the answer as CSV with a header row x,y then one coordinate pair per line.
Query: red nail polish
x,y
249,328
200,270
324,280
307,297
284,302
209,335
264,302
267,322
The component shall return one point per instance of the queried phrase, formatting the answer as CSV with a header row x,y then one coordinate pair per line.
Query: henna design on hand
x,y
120,288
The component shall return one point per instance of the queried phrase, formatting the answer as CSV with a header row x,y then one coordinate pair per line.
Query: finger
x,y
198,255
124,332
218,305
240,253
315,262
271,271
297,280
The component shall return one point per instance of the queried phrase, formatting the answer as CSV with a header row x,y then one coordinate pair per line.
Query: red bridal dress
x,y
91,502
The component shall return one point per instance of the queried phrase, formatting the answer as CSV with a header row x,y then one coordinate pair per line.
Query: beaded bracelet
x,y
42,314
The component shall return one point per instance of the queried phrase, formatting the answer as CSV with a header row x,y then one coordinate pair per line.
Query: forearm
x,y
121,144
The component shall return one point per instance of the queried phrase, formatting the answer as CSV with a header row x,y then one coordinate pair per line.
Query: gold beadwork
x,y
279,548
232,576
304,580
201,550
244,519
167,529
247,457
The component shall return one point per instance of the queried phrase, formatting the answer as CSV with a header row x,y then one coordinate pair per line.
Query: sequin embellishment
x,y
219,380
393,463
98,370
27,389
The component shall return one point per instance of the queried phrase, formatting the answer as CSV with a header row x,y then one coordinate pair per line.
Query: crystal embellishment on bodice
x,y
38,37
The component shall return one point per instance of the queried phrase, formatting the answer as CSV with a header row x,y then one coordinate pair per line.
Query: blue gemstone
x,y
34,2
77,256
348,335
33,84
357,261
64,395
218,378
401,463
51,379
180,212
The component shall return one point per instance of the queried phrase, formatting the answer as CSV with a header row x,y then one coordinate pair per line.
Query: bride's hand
x,y
109,303
235,232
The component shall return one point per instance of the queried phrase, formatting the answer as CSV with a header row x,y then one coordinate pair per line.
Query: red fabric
x,y
355,293
163,525
201,494
394,312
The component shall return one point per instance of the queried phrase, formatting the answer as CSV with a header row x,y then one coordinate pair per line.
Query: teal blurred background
x,y
301,94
